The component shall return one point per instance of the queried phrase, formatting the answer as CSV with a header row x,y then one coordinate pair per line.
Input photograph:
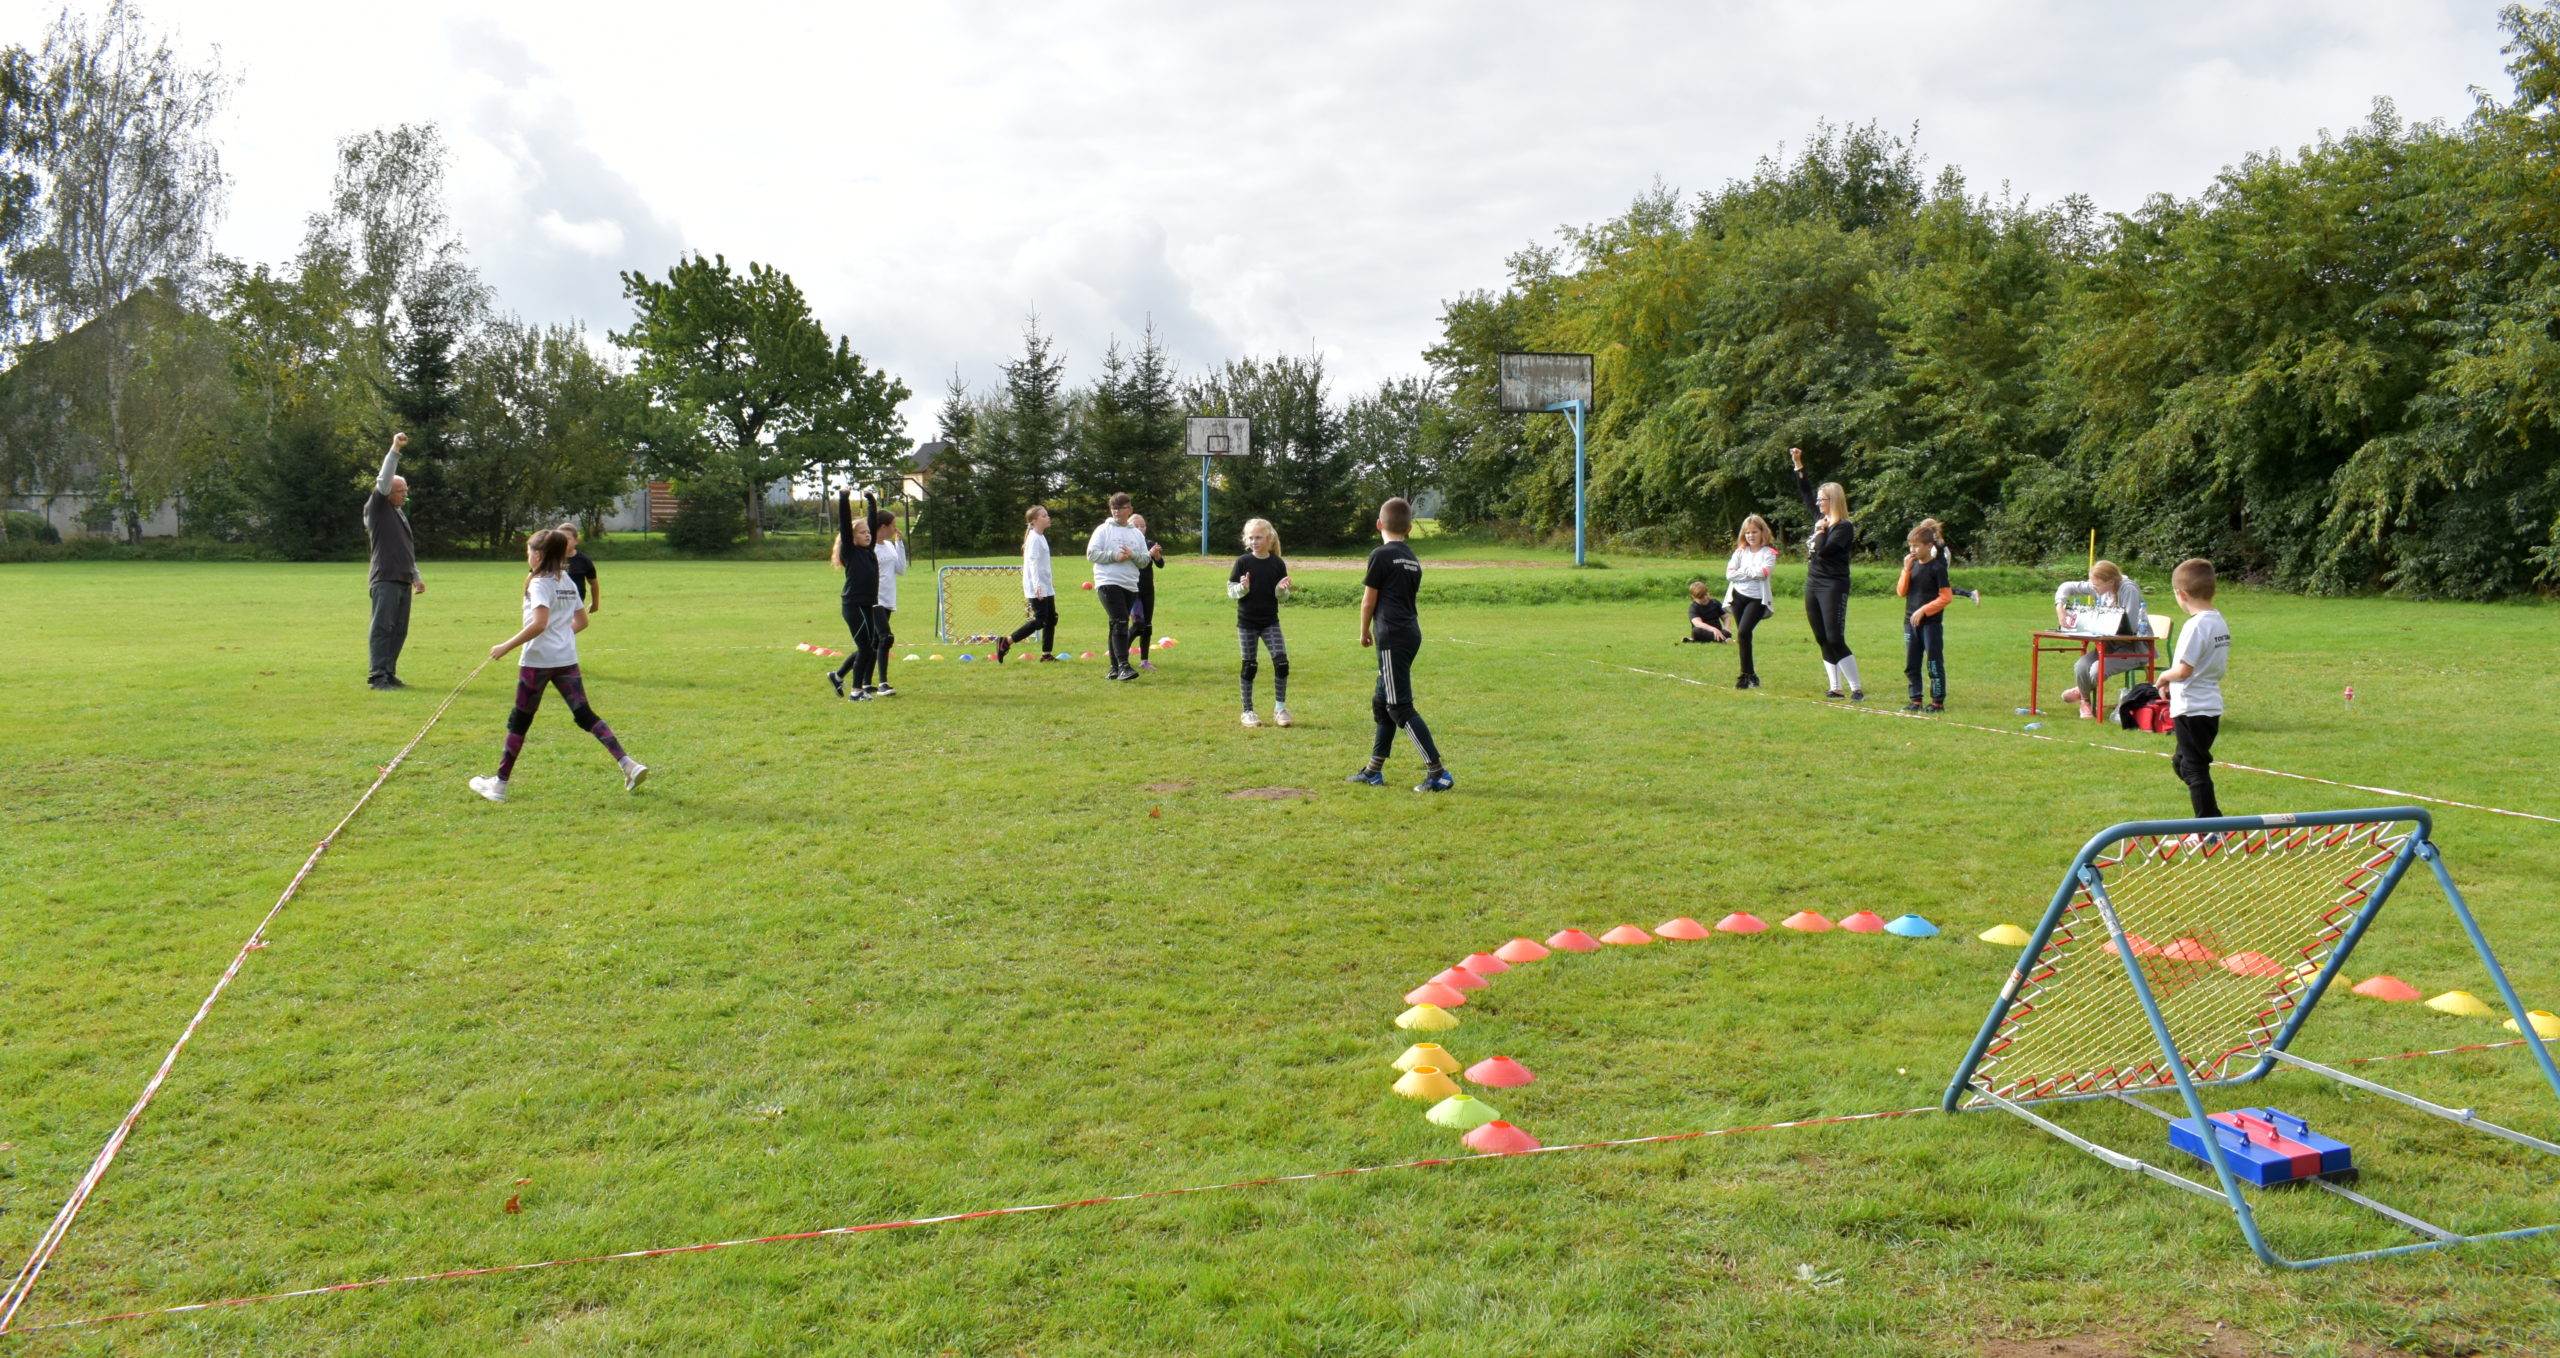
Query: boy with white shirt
x,y
2195,683
1115,549
1039,590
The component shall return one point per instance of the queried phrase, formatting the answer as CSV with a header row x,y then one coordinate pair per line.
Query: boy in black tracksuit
x,y
1390,620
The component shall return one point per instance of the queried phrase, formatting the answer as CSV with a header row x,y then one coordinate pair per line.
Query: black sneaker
x,y
885,691
1742,681
1003,644
1934,709
836,682
1048,659
1755,681
1833,694
1857,695
1912,706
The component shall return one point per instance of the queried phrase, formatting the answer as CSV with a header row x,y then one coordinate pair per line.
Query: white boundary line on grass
x,y
45,1246
2031,735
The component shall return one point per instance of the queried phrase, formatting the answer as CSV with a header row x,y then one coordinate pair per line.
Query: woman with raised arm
x,y
1826,578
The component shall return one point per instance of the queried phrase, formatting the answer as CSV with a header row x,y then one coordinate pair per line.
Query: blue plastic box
x,y
2266,1145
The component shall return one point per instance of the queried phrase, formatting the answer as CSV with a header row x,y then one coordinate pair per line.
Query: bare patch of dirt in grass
x,y
1164,787
2214,1341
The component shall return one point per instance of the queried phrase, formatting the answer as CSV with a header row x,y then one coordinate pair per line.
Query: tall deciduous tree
x,y
744,359
1300,476
1397,438
132,183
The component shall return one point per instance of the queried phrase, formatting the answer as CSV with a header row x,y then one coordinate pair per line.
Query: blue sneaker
x,y
1437,782
1368,778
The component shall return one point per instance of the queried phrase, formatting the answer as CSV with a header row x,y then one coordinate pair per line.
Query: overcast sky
x,y
1253,177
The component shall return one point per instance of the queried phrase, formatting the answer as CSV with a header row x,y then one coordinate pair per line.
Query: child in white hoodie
x,y
1115,549
1746,600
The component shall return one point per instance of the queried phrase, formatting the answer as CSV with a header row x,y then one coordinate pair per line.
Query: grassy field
x,y
1008,939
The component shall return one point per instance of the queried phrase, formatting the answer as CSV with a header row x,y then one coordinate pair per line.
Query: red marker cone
x,y
1432,992
1807,922
1521,950
1680,928
1574,940
2189,950
2387,988
1864,922
1485,964
1459,978
2252,964
1499,1138
1627,935
1741,922
2142,947
1499,1072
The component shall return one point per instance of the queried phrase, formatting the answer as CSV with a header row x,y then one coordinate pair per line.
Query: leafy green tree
x,y
1300,475
1128,436
536,433
1397,438
744,360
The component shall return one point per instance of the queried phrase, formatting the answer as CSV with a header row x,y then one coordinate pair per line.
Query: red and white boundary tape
x,y
869,1228
2058,740
51,1240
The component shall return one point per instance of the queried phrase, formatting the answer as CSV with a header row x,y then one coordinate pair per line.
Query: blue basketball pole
x,y
1204,506
1573,410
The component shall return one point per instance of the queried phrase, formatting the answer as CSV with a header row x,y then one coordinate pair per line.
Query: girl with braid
x,y
553,618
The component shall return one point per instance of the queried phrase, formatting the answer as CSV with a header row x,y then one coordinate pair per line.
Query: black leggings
x,y
857,620
885,639
1117,601
1040,615
1142,616
1926,644
1826,606
2194,761
1746,614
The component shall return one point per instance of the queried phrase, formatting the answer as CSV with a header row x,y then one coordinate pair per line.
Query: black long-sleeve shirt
x,y
861,566
1826,559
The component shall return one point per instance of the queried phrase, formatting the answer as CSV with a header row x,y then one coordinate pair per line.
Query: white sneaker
x,y
1280,714
1250,719
492,787
632,772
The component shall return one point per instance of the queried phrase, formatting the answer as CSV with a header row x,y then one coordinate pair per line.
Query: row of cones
x,y
2460,1003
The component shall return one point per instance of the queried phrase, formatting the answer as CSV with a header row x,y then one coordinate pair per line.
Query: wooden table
x,y
2077,644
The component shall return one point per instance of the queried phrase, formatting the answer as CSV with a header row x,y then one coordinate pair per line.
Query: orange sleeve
x,y
1937,605
1903,585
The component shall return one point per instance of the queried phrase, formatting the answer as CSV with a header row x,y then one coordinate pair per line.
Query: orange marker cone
x,y
2252,964
2387,988
2189,950
1574,940
1499,1072
1499,1138
2142,947
1521,950
1426,1018
1432,992
1426,1054
1741,922
1485,964
1864,922
1627,935
1459,978
1806,922
1680,928
1426,1082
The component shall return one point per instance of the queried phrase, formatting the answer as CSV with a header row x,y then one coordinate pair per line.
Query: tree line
x,y
2337,370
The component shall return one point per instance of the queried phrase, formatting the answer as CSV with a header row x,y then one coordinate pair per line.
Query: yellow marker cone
x,y
2460,1002
2544,1024
1431,1018
1426,1082
1426,1054
2006,935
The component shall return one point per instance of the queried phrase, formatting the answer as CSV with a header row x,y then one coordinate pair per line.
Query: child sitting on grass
x,y
1706,616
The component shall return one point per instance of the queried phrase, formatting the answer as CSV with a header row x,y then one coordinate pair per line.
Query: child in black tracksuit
x,y
852,552
1706,616
1925,594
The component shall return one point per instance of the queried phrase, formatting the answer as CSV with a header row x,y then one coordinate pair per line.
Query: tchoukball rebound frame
x,y
2038,1007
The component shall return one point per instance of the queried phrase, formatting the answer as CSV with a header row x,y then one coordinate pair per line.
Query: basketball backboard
x,y
1528,383
1218,436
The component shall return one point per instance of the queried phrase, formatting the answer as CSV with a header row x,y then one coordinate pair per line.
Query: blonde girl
x,y
1826,579
1258,582
1746,598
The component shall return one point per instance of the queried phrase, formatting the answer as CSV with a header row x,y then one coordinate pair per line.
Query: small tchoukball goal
x,y
977,603
2186,955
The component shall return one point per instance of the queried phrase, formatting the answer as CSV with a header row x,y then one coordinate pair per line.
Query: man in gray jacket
x,y
395,566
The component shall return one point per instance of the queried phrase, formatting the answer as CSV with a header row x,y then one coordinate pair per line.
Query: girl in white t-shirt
x,y
553,617
1746,598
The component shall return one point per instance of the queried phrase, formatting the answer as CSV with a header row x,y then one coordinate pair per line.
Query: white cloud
x,y
1251,176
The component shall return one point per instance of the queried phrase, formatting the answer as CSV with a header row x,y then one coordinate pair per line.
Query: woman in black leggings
x,y
1826,579
852,553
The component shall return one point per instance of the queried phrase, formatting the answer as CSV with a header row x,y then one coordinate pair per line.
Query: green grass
x,y
841,964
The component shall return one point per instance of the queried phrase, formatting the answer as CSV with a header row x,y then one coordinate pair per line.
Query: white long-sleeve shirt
x,y
1105,544
893,563
1747,572
1036,581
